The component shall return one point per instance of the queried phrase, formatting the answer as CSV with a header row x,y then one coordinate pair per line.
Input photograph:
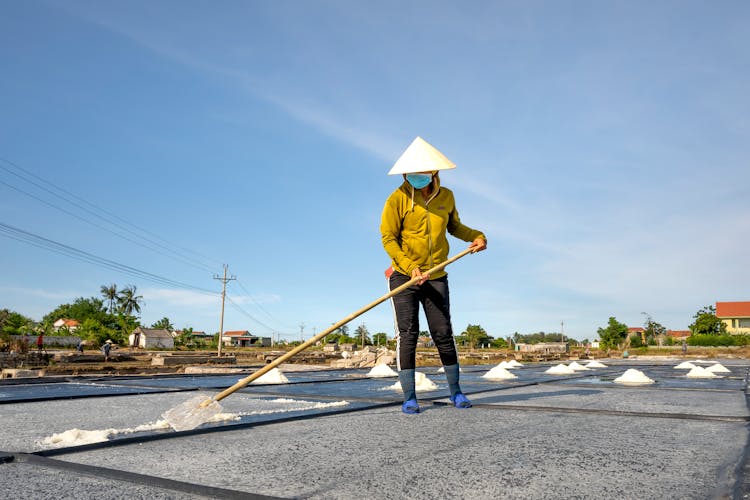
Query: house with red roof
x,y
679,334
639,330
66,324
243,338
736,315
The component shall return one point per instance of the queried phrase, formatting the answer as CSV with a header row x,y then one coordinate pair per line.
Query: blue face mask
x,y
419,180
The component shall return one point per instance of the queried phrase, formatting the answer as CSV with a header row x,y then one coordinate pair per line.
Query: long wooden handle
x,y
276,362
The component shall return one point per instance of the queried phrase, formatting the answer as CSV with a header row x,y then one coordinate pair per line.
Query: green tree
x,y
95,332
128,300
124,325
499,343
706,323
651,330
13,323
109,292
185,338
380,338
475,334
163,323
614,334
80,310
362,335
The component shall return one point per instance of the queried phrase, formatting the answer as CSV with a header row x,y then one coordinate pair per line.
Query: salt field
x,y
340,434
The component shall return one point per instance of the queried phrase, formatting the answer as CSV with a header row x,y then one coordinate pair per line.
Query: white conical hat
x,y
421,156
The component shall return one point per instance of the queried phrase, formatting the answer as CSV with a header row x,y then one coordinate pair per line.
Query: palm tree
x,y
110,293
128,301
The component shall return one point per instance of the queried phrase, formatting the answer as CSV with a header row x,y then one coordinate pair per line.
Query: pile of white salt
x,y
685,365
274,376
633,376
595,364
700,372
560,369
577,367
514,364
499,373
421,384
382,370
718,368
442,369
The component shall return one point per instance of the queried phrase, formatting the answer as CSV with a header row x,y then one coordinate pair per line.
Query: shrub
x,y
718,340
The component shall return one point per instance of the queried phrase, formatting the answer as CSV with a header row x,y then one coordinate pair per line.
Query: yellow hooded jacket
x,y
414,229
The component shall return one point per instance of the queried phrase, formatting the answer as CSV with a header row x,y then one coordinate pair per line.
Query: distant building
x,y
243,338
638,330
679,334
151,338
63,323
544,347
736,315
425,341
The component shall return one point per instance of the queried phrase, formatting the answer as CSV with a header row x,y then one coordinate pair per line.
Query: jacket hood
x,y
411,191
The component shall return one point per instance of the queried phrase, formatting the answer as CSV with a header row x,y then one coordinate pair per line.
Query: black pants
x,y
434,297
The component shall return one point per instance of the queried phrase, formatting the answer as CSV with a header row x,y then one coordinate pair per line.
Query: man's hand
x,y
478,245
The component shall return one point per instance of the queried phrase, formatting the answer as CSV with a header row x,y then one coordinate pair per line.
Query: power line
x,y
258,305
131,240
242,311
38,241
81,255
173,250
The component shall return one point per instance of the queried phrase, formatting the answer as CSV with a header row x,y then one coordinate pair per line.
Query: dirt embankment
x,y
136,362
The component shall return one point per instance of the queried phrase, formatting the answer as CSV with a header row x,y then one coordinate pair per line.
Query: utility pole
x,y
223,298
301,330
562,330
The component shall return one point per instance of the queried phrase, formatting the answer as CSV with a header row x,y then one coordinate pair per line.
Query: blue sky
x,y
603,148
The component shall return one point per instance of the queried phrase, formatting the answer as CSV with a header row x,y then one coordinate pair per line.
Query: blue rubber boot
x,y
410,407
460,401
457,397
406,377
451,373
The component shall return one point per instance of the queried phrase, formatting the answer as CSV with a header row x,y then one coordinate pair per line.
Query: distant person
x,y
105,349
684,348
414,223
40,342
79,347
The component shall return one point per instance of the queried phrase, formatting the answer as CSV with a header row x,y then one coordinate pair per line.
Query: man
x,y
106,348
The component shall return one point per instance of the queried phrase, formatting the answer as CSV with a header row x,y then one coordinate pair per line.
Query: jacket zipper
x,y
429,227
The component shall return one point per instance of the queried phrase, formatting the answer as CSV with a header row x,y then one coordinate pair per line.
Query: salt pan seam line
x,y
144,479
615,413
